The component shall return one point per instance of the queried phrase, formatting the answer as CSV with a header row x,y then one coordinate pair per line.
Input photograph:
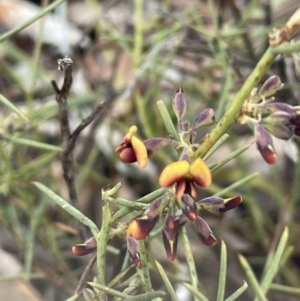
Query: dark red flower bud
x,y
81,250
231,203
189,207
205,118
204,232
133,250
264,144
216,204
170,234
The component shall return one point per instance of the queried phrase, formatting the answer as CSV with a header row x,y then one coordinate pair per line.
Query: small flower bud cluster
x,y
178,206
270,118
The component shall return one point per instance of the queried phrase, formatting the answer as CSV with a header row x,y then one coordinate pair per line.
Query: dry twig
x,y
68,138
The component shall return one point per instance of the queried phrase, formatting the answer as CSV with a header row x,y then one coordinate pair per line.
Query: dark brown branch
x,y
85,122
68,138
85,274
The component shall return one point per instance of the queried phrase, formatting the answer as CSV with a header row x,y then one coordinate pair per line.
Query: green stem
x,y
107,290
17,29
222,273
138,32
145,269
34,222
128,204
36,58
189,258
102,238
234,108
286,48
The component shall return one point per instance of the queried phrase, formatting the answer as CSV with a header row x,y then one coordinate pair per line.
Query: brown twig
x,y
68,138
85,274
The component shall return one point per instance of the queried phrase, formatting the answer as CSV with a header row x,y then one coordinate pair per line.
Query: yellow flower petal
x,y
132,130
140,151
173,173
200,173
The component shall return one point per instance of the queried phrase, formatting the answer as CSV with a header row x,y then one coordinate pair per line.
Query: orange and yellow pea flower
x,y
133,149
186,175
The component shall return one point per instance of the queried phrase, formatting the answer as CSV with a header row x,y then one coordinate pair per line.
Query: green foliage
x,y
40,213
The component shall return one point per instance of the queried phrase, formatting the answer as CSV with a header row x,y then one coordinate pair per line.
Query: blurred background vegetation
x,y
131,54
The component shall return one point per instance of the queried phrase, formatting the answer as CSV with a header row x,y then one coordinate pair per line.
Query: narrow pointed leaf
x,y
166,281
238,292
195,292
67,207
10,105
222,273
252,279
237,184
274,265
215,166
215,146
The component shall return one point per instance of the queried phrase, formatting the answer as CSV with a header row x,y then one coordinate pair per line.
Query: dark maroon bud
x,y
279,106
231,203
205,118
264,144
170,234
179,103
81,250
271,85
133,250
189,207
204,232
